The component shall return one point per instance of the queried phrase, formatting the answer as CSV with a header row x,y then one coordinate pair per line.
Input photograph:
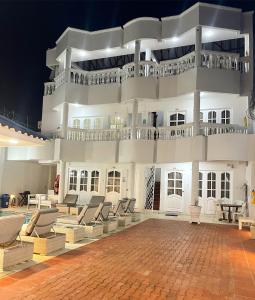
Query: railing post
x,y
198,45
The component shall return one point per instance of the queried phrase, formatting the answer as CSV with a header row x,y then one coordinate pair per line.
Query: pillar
x,y
198,45
137,56
196,113
194,182
64,127
68,58
134,118
61,171
148,54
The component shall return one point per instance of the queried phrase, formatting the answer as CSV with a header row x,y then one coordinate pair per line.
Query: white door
x,y
174,201
210,193
113,186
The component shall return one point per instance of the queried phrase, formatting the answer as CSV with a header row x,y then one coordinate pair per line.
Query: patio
x,y
156,259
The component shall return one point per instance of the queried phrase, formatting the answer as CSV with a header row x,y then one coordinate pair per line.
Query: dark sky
x,y
28,28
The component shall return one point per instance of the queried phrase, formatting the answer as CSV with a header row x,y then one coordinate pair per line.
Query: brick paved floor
x,y
157,259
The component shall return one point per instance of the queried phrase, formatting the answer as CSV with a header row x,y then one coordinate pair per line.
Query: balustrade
x,y
210,60
151,133
49,88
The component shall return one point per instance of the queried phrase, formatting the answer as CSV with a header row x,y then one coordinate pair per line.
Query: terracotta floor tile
x,y
157,259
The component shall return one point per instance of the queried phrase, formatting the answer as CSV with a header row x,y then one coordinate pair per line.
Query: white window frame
x,y
177,119
211,190
225,185
114,179
85,186
174,188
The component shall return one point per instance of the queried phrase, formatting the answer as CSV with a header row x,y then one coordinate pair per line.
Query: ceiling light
x,y
208,32
13,141
174,39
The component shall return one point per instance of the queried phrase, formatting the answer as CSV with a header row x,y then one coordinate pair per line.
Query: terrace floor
x,y
156,259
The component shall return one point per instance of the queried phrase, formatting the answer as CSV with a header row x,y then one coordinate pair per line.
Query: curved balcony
x,y
220,71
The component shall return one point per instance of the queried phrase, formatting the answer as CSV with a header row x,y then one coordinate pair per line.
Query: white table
x,y
38,200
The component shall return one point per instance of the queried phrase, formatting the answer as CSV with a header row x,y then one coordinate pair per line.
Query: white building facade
x,y
127,119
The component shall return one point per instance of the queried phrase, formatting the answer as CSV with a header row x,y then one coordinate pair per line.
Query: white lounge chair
x,y
86,221
103,215
40,231
130,209
124,218
70,200
13,251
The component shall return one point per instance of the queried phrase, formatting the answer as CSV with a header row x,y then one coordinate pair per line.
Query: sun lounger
x,y
85,221
102,214
13,251
39,231
95,200
69,201
124,219
130,209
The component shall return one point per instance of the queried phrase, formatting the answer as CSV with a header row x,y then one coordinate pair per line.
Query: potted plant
x,y
195,211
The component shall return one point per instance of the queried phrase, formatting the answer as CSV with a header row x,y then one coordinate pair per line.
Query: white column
x,y
250,177
196,113
64,120
68,58
137,56
61,171
147,54
194,182
2,163
134,117
198,45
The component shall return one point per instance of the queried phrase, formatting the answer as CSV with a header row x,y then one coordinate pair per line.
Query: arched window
x,y
177,119
76,123
84,180
225,116
200,184
225,185
113,182
72,180
86,123
211,185
94,181
174,186
212,116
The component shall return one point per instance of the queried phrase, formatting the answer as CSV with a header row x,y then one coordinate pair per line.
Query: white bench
x,y
245,220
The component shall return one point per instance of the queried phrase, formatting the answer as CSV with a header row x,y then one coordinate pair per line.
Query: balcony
x,y
174,76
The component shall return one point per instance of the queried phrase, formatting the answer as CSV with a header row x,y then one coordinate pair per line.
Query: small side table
x,y
252,229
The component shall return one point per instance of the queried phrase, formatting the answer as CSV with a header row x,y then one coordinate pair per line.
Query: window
x,y
76,123
177,119
211,185
225,116
113,182
212,117
98,123
225,185
200,184
94,181
84,181
174,186
86,123
72,180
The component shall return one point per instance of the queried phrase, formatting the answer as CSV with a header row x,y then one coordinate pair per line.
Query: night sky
x,y
28,28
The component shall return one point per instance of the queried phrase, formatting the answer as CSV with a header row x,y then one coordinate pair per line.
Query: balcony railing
x,y
151,133
126,133
49,88
210,60
213,128
177,66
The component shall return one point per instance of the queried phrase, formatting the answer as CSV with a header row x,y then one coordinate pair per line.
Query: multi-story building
x,y
159,109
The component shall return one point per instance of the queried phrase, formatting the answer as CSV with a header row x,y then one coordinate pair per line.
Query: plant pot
x,y
195,214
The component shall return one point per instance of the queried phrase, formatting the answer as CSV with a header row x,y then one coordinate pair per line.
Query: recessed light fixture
x,y
13,141
208,32
174,39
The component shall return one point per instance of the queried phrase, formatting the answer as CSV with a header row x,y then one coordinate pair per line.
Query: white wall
x,y
20,176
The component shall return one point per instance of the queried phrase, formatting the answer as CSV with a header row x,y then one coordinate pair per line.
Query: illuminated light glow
x,y
13,141
108,50
208,32
174,39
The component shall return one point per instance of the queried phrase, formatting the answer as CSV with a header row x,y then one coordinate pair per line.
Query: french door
x,y
174,200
